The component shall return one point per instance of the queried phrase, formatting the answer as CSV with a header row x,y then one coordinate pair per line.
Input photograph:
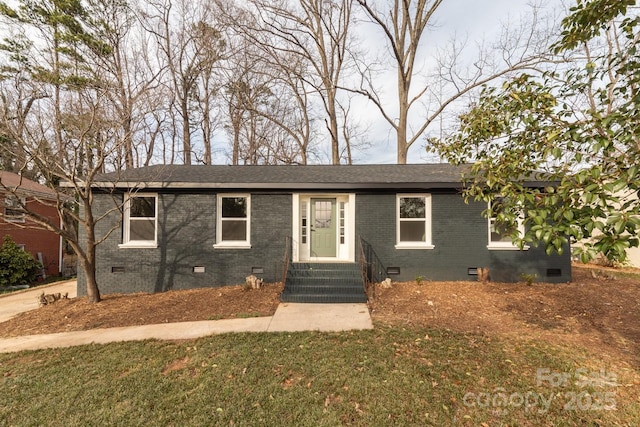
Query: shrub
x,y
17,267
529,278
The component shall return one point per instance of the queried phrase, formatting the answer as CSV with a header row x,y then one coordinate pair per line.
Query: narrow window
x,y
140,220
342,218
303,231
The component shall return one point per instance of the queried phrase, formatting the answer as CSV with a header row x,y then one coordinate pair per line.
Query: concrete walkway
x,y
17,302
289,317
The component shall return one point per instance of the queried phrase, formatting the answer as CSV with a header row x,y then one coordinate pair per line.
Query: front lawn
x,y
387,376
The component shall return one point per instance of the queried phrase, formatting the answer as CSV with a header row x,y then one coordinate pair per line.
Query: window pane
x,y
323,211
412,207
12,209
412,231
303,210
142,207
13,213
234,207
142,229
234,230
499,235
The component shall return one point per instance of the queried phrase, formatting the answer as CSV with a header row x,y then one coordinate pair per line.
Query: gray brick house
x,y
196,226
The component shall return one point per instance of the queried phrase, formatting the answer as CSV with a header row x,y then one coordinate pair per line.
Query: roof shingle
x,y
288,177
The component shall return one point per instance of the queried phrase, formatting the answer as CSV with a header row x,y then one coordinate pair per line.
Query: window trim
x,y
21,217
508,245
232,244
427,244
126,224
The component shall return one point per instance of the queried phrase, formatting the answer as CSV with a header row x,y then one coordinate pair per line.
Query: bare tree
x,y
75,143
88,147
189,46
404,25
318,31
266,98
210,44
124,69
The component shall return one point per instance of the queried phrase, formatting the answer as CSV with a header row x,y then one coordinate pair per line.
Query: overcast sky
x,y
475,19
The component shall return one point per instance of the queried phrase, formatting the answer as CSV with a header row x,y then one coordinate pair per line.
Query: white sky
x,y
475,20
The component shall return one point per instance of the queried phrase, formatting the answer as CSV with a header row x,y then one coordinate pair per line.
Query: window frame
x,y
232,244
503,245
20,200
126,223
427,243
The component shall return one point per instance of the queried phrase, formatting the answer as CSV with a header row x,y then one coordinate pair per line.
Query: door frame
x,y
345,227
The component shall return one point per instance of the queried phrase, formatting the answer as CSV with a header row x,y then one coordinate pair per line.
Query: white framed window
x,y
13,211
140,220
233,223
500,238
304,222
413,221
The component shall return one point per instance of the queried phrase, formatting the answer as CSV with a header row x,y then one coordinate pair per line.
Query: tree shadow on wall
x,y
181,239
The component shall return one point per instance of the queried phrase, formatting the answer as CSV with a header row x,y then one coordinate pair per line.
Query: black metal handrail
x,y
371,267
288,257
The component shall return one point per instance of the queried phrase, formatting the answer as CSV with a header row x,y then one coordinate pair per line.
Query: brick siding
x,y
187,234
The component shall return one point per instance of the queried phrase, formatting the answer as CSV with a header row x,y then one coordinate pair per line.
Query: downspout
x,y
60,264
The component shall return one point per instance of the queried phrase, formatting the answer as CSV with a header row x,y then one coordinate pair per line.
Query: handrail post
x,y
364,270
287,258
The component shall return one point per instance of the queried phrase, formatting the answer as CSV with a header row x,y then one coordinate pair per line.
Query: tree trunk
x,y
206,129
186,134
403,117
236,142
333,128
88,258
93,293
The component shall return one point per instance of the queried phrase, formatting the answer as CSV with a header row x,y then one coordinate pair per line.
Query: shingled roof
x,y
24,186
291,177
287,177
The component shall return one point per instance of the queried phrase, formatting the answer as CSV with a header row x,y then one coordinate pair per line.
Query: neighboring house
x,y
44,245
195,226
634,257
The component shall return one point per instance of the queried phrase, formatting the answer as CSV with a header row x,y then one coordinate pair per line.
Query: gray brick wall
x,y
186,236
459,234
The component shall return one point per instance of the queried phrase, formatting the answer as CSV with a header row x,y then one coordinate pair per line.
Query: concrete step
x,y
325,289
323,298
324,283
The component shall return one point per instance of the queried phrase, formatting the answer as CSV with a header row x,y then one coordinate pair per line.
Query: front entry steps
x,y
324,283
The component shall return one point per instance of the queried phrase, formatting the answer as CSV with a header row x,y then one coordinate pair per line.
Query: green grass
x,y
380,377
247,315
627,274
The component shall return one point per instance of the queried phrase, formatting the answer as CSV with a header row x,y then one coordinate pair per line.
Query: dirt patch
x,y
116,310
599,310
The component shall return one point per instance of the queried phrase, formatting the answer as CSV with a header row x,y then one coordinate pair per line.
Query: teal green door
x,y
323,227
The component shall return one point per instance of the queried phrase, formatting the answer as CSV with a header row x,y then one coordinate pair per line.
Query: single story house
x,y
45,246
325,226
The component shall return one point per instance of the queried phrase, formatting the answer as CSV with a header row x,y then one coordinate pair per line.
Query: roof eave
x,y
272,185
